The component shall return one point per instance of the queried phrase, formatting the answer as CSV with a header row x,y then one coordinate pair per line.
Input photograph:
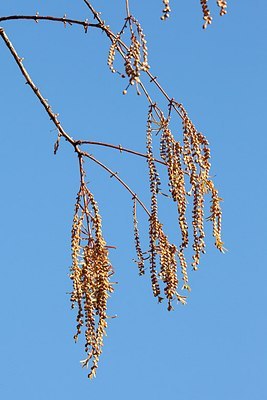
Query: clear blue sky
x,y
215,346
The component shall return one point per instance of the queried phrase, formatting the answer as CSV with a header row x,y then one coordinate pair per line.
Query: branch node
x,y
56,145
86,25
153,79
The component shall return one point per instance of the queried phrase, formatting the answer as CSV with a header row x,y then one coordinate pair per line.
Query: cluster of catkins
x,y
90,275
206,12
136,56
188,163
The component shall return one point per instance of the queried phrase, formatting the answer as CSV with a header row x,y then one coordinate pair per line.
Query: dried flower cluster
x,y
206,12
187,163
188,166
90,275
223,6
136,56
140,256
166,10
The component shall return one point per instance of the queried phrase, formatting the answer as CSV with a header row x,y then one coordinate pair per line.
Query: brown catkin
x,y
154,226
172,154
216,215
206,13
159,244
168,270
198,225
143,45
111,56
166,10
223,6
139,253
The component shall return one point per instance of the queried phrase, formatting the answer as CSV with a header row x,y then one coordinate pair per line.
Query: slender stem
x,y
146,92
127,8
37,18
84,195
119,147
115,175
94,12
44,102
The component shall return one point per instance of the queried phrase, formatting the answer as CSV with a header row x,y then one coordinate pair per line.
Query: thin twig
x,y
84,196
37,18
115,175
127,8
94,12
119,147
18,60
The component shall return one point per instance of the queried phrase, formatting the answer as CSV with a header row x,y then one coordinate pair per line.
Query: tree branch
x,y
38,18
101,25
54,119
118,147
115,175
44,102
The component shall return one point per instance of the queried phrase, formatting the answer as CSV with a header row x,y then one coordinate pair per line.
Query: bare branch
x,y
116,176
44,102
119,147
38,18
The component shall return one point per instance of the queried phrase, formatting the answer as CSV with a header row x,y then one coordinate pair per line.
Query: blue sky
x,y
215,346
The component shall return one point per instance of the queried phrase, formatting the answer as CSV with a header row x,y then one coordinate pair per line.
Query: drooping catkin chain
x,y
90,274
223,6
77,293
143,43
171,153
187,163
154,226
166,10
198,225
197,162
206,12
140,258
136,56
159,248
216,215
168,270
